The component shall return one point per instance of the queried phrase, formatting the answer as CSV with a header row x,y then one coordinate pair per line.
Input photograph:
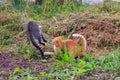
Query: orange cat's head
x,y
57,41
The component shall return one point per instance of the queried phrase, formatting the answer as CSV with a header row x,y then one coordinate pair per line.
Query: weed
x,y
20,74
117,78
17,70
63,37
68,67
111,61
65,70
65,55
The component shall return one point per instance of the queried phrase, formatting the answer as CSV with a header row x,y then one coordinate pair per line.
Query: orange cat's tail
x,y
84,42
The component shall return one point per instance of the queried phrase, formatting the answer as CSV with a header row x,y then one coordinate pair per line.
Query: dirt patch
x,y
9,61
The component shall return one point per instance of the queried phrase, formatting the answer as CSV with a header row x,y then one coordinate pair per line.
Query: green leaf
x,y
117,78
17,70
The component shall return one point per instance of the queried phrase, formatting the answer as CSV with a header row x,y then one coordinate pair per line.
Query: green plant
x,y
68,67
118,24
63,37
62,70
65,55
19,4
117,78
17,70
111,61
20,74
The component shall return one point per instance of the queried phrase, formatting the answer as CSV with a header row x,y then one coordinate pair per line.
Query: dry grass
x,y
100,31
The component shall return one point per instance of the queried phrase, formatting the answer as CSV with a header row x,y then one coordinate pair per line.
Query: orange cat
x,y
70,45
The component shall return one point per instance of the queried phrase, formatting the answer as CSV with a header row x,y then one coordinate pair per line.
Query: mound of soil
x,y
9,61
100,31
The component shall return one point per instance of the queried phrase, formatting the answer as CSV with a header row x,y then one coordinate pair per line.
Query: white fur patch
x,y
76,35
40,26
48,53
55,49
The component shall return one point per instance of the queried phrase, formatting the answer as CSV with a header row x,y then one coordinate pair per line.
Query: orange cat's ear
x,y
58,42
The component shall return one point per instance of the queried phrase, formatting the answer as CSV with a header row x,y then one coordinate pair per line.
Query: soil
x,y
9,61
100,76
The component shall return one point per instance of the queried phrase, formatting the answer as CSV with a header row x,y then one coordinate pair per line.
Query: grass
x,y
111,62
16,15
111,8
43,11
20,74
12,23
